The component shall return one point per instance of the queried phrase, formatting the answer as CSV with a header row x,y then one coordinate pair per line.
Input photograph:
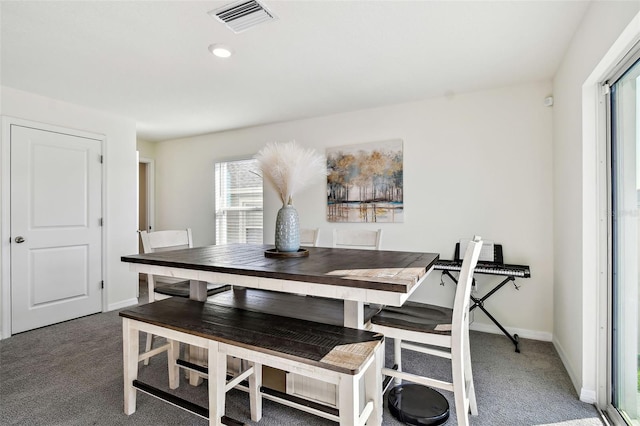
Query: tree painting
x,y
364,182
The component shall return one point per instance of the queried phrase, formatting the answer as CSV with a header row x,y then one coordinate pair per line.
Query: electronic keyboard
x,y
490,263
490,268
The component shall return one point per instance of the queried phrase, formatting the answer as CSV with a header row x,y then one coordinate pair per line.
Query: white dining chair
x,y
161,287
357,238
309,237
445,332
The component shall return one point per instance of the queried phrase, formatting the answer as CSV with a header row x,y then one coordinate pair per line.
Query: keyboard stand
x,y
479,303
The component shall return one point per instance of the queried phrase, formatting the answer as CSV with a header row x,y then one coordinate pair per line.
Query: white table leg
x,y
198,290
353,314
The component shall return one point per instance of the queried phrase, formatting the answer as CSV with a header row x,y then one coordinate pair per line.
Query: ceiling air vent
x,y
242,15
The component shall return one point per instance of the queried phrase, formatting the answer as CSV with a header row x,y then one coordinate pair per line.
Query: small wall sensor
x,y
548,101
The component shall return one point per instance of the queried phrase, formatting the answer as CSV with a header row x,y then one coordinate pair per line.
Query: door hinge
x,y
101,159
102,284
606,88
100,222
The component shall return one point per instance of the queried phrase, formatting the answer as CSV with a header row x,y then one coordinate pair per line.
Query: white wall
x,y
121,170
146,149
476,163
575,197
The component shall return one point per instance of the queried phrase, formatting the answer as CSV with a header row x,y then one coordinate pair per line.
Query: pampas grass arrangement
x,y
289,167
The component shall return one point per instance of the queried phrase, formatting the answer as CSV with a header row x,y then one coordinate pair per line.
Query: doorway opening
x,y
146,199
146,203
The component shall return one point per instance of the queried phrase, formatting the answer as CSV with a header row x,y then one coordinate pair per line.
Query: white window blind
x,y
238,189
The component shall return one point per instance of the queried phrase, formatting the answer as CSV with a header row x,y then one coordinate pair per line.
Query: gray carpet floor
x,y
71,374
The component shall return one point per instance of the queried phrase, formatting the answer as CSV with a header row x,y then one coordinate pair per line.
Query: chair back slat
x,y
309,237
163,241
166,240
357,238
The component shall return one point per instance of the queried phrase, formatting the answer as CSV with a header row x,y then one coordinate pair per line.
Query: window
x,y
238,201
625,243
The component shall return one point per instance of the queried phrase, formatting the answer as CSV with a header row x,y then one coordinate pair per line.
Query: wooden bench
x,y
278,385
334,354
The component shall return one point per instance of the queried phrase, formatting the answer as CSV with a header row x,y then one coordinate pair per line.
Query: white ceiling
x,y
148,60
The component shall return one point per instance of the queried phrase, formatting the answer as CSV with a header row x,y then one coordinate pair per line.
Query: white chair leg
x,y
148,346
468,375
255,397
459,393
397,358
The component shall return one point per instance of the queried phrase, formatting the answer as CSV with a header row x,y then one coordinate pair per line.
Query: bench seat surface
x,y
336,348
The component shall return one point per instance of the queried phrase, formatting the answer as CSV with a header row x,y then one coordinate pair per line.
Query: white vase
x,y
287,229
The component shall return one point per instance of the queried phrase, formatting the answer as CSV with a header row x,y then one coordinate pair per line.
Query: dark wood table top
x,y
390,271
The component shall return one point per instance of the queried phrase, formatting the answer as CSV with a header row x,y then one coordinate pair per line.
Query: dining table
x,y
357,277
347,283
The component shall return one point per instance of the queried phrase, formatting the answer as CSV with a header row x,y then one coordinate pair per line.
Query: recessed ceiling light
x,y
220,50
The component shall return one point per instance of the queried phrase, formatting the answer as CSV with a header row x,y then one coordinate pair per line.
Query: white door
x,y
56,204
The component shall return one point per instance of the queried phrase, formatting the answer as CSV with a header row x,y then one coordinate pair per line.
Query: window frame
x,y
243,222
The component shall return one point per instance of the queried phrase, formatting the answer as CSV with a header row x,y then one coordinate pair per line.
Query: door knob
x,y
19,240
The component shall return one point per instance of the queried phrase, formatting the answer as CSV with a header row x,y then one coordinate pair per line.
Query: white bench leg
x,y
349,400
255,397
174,371
130,348
373,387
217,379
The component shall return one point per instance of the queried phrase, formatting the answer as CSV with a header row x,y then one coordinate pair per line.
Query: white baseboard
x,y
123,304
521,332
586,395
112,307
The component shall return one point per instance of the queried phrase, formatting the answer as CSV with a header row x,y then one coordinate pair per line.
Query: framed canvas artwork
x,y
364,182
